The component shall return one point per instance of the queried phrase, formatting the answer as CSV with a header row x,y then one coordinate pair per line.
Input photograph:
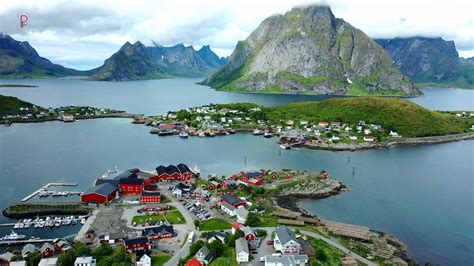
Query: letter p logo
x,y
23,20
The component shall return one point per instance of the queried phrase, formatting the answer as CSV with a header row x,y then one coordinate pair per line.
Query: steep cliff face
x,y
424,59
308,50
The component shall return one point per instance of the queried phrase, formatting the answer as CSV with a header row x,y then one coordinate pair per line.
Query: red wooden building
x,y
232,200
185,172
102,193
150,197
249,233
159,232
140,243
173,172
47,250
131,186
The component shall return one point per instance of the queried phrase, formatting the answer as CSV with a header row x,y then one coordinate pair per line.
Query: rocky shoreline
x,y
402,142
49,119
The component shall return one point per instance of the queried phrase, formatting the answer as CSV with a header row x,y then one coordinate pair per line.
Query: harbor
x,y
44,192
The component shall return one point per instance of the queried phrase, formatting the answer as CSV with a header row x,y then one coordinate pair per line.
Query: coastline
x,y
112,115
402,142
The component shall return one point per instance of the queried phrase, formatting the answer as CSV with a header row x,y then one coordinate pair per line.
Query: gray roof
x,y
287,259
228,206
242,212
28,248
102,189
248,230
241,245
285,235
47,245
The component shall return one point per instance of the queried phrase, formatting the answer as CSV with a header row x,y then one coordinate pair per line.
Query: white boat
x,y
201,134
22,225
268,135
257,132
16,226
57,223
13,236
196,170
83,221
183,134
285,147
41,224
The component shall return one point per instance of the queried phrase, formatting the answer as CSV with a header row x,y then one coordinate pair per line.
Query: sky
x,y
83,33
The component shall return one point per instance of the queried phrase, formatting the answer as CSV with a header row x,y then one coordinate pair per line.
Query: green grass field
x,y
214,225
159,258
174,216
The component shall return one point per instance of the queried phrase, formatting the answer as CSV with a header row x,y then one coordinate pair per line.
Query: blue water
x,y
422,195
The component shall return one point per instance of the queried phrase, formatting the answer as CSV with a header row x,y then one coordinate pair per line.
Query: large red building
x,y
232,200
150,197
140,243
131,186
159,232
185,172
102,193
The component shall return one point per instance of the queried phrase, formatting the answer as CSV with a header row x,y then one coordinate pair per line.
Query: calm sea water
x,y
422,195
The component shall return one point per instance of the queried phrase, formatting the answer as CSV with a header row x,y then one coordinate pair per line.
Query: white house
x,y
204,255
242,214
369,139
242,250
335,138
84,261
393,134
145,260
18,263
280,260
286,241
48,262
227,208
366,131
353,138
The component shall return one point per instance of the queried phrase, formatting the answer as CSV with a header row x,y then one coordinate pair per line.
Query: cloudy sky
x,y
83,33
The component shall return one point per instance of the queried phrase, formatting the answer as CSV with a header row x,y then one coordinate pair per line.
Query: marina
x,y
43,191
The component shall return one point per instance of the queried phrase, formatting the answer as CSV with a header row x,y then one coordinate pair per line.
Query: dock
x,y
24,242
46,187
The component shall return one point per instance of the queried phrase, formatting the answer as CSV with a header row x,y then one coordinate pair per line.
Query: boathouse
x,y
162,174
47,250
185,172
150,197
173,172
131,186
159,232
100,194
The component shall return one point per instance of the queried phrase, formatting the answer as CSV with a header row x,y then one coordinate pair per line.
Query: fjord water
x,y
422,195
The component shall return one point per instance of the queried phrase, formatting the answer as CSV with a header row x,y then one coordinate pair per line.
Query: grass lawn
x,y
175,217
227,259
325,254
214,225
160,258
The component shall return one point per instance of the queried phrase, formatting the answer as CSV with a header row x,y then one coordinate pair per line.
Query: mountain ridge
x,y
309,50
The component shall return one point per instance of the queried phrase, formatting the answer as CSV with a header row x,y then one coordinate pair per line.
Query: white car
x,y
262,259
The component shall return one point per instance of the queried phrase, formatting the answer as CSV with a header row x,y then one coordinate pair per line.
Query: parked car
x,y
270,242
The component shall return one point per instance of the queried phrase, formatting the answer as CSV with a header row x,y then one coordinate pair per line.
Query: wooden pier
x,y
46,187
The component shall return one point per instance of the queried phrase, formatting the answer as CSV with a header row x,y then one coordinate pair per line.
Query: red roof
x,y
193,262
236,225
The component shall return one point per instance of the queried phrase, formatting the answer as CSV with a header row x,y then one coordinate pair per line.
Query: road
x,y
184,228
339,246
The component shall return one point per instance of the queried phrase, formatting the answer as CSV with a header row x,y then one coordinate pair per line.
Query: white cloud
x,y
84,33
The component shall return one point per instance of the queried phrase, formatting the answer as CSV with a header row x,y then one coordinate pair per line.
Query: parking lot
x,y
199,210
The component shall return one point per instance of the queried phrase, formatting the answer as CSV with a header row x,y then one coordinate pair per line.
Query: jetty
x,y
45,187
23,242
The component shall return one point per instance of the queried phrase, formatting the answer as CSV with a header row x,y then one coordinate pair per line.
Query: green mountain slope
x,y
11,105
308,50
407,118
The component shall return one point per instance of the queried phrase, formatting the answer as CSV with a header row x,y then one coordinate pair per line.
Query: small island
x,y
338,124
14,110
17,86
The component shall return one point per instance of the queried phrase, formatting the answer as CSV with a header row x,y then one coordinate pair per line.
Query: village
x,y
69,113
224,119
172,216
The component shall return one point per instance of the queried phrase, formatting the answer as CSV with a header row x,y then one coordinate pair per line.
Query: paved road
x,y
339,246
184,228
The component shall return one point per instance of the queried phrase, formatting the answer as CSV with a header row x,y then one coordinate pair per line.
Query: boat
x,y
154,130
257,132
268,135
22,225
83,220
285,146
201,134
57,223
74,221
41,224
231,131
68,118
13,236
7,123
17,225
183,134
196,170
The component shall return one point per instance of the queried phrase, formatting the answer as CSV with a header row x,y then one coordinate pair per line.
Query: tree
x,y
34,258
194,248
82,250
319,254
67,259
216,247
252,220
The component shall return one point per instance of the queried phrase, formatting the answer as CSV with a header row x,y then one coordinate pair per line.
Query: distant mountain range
x,y
467,61
309,50
429,61
137,61
130,62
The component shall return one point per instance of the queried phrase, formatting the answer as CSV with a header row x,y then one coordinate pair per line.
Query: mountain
x,y
20,60
130,62
467,61
428,61
11,105
308,50
137,61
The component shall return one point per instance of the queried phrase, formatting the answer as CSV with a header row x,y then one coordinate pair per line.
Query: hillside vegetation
x,y
12,105
407,118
